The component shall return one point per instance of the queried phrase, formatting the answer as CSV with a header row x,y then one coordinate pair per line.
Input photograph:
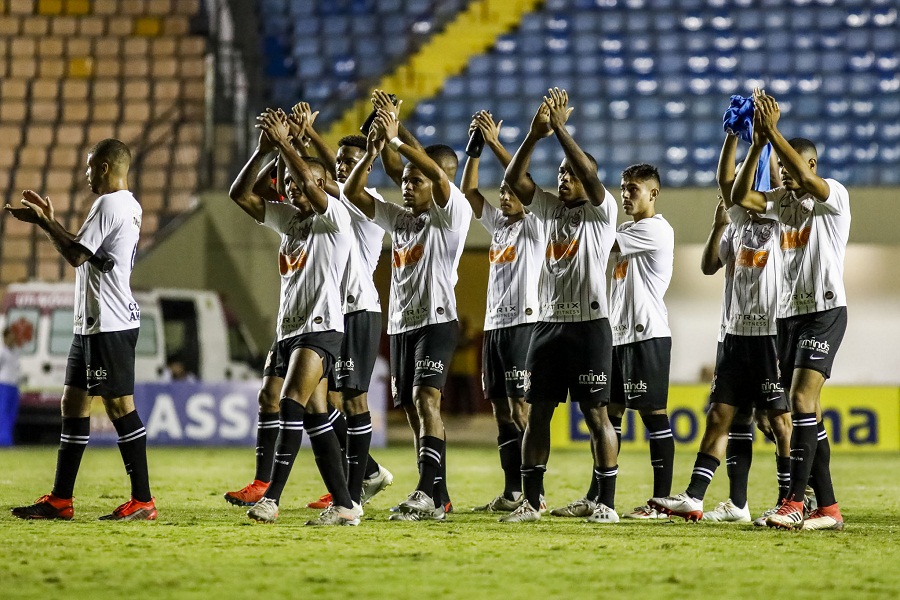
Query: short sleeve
x,y
100,222
386,214
543,203
738,214
838,200
491,217
606,210
279,215
335,219
646,235
773,201
355,213
457,213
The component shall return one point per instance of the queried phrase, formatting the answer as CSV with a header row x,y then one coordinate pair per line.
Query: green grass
x,y
202,548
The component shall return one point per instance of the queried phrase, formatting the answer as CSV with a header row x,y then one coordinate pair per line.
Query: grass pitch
x,y
202,547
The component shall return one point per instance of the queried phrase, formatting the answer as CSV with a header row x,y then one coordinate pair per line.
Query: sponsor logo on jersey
x,y
292,323
502,255
752,258
505,312
752,320
799,299
426,364
562,250
792,239
134,312
591,378
414,315
288,263
621,269
404,257
814,345
563,309
79,320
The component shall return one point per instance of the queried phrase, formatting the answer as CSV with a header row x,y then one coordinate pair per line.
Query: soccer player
x,y
570,351
642,341
350,379
516,257
746,376
366,249
428,234
812,314
107,321
316,240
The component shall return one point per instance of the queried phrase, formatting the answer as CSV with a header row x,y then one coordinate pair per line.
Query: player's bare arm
x,y
710,262
355,186
241,191
275,124
266,187
440,189
725,172
390,158
742,192
469,184
39,211
557,102
801,169
516,175
300,127
491,132
302,113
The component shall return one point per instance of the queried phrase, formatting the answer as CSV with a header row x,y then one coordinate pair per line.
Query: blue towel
x,y
738,119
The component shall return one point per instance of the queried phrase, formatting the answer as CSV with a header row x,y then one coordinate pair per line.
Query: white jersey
x,y
358,286
813,242
516,258
9,365
426,250
103,301
725,255
311,259
752,260
572,286
640,279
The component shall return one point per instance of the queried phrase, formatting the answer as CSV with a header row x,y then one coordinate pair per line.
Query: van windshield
x,y
146,342
61,329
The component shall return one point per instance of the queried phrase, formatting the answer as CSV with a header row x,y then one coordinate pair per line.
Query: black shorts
x,y
747,374
503,361
271,359
810,342
640,374
359,350
421,357
569,358
103,363
327,344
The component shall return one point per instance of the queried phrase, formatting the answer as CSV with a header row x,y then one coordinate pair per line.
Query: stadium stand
x,y
73,72
651,76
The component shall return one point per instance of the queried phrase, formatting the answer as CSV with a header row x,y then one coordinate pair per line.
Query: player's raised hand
x,y
34,209
388,122
540,124
484,121
759,135
275,125
381,100
557,102
767,108
264,145
375,140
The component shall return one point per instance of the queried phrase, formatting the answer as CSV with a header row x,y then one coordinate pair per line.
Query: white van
x,y
190,324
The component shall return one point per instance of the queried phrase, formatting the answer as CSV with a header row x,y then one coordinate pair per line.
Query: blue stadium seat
x,y
507,86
